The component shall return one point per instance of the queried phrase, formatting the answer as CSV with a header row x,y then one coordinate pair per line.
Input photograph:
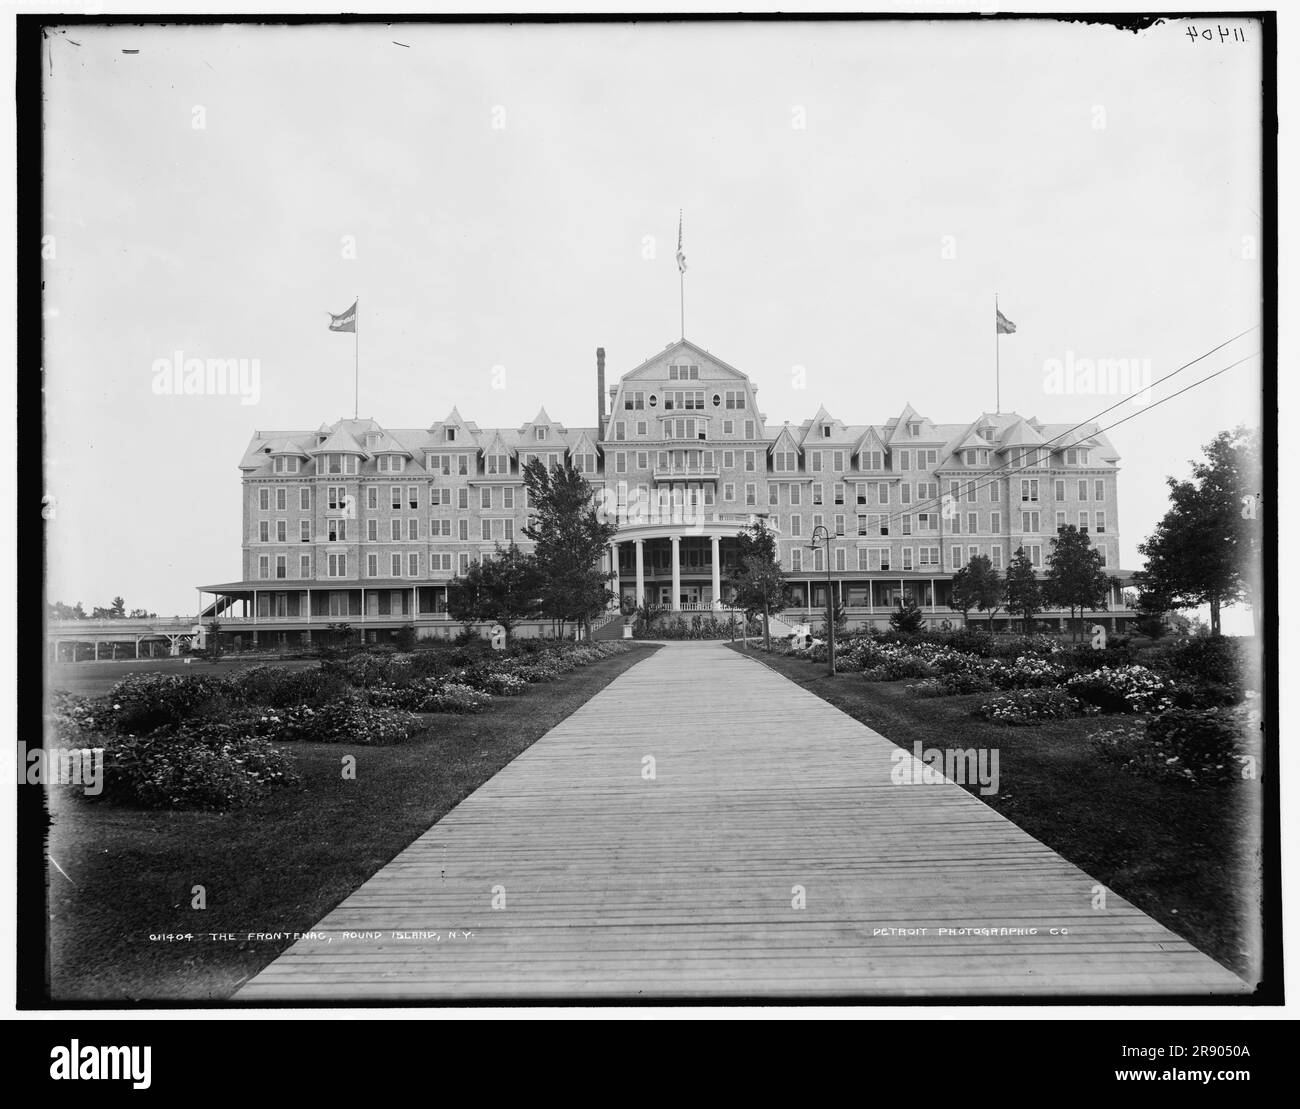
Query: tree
x,y
141,614
570,540
1024,596
503,588
1075,578
757,583
907,617
59,611
1206,549
977,585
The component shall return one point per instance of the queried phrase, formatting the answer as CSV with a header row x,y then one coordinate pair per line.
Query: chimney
x,y
600,392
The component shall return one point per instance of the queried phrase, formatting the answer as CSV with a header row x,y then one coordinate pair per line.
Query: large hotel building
x,y
364,525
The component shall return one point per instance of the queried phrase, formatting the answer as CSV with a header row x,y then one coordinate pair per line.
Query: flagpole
x,y
356,360
681,281
997,355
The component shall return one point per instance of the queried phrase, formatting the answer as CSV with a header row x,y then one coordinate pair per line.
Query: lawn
x,y
125,874
1186,856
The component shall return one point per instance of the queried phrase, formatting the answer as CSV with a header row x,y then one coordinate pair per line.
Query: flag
x,y
681,255
1005,326
345,322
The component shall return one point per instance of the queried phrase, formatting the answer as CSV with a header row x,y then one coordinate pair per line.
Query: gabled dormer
x,y
871,451
286,457
785,451
913,429
339,454
825,428
583,453
497,455
541,432
453,433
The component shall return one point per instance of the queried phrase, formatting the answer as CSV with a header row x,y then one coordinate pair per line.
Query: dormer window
x,y
498,464
451,435
913,429
391,463
372,440
826,431
541,433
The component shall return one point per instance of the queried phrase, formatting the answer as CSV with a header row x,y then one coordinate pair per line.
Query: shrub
x,y
1122,689
952,685
209,766
1026,672
73,720
344,722
1032,706
143,703
457,697
279,687
1204,747
1208,658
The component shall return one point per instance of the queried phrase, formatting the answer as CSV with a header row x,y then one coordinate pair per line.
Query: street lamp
x,y
821,536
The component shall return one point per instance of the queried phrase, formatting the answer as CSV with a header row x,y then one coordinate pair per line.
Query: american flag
x,y
681,255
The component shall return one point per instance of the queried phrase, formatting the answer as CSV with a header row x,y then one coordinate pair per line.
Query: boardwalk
x,y
615,885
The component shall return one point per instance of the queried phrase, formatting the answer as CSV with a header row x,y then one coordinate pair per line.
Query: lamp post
x,y
821,536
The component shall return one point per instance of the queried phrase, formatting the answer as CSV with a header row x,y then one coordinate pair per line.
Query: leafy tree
x,y
141,614
503,587
1206,549
59,611
1024,595
570,540
757,582
1075,578
907,617
977,585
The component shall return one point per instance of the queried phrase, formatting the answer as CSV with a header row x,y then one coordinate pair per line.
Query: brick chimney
x,y
600,392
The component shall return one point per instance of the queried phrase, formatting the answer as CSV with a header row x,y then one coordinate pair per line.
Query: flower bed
x,y
952,685
1203,747
1123,689
1032,706
345,722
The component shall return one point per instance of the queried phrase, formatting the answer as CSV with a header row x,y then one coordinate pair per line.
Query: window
x,y
927,556
338,566
1083,522
372,566
785,462
860,492
336,530
304,531
796,558
263,566
485,529
264,499
1059,491
796,494
826,431
995,522
451,435
728,491
837,458
304,566
1060,520
751,461
508,497
995,556
1035,552
485,497
391,463
264,531
749,429
972,522
1029,523
1101,550
462,563
395,566
815,461
734,399
913,429
1099,490
796,525
462,530
955,556
642,428
1083,490
995,492
620,430
413,528
1029,489
462,498
839,523
413,565
751,494
620,463
372,530
839,559
904,460
927,458
872,460
882,493
817,494
280,536
773,494
839,492
1101,523
498,464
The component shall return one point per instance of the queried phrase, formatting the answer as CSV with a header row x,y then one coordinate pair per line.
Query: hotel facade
x,y
363,525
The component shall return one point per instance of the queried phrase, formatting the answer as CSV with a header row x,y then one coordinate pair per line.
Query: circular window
x,y
654,401
717,400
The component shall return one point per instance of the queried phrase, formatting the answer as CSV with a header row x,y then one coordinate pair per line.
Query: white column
x,y
613,563
717,572
640,571
677,570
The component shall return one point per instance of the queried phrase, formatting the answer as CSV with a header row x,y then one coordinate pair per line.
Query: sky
x,y
504,199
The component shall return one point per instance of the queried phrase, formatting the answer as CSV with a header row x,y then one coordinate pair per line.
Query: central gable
x,y
684,362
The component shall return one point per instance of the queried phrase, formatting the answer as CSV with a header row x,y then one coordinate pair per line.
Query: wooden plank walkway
x,y
614,885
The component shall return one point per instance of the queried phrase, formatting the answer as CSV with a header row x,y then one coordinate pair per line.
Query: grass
x,y
1186,856
279,865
